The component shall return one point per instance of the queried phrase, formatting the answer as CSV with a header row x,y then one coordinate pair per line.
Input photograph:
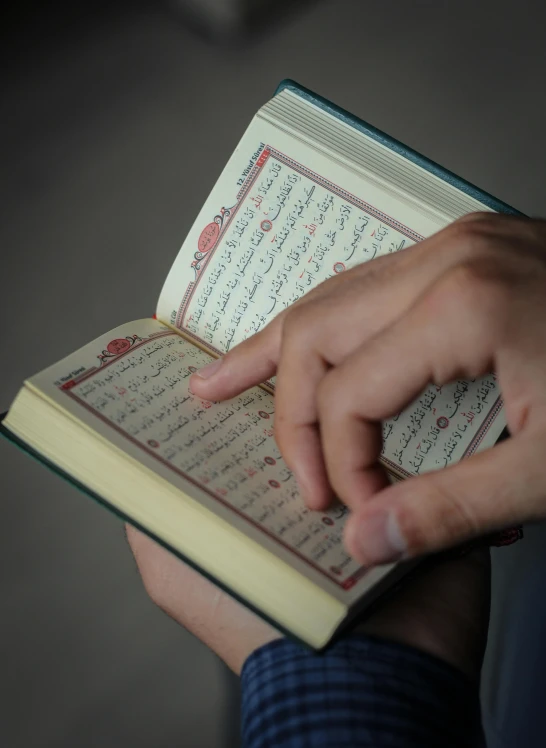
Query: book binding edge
x,y
9,436
398,147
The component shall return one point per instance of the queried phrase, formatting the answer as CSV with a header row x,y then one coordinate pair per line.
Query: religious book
x,y
309,192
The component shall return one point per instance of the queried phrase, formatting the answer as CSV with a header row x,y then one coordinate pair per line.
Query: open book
x,y
309,192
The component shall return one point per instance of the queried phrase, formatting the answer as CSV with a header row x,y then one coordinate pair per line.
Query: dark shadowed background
x,y
116,120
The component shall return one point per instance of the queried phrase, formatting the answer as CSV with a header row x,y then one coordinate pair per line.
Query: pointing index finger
x,y
250,363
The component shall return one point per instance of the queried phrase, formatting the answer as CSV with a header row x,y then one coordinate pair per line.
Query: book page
x,y
131,387
283,218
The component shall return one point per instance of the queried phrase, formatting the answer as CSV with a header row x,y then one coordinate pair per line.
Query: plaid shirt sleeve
x,y
361,692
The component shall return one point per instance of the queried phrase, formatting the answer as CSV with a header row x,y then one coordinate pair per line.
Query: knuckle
x,y
473,307
302,330
474,234
297,320
473,218
475,291
464,238
536,231
503,240
414,533
443,518
467,280
455,516
328,394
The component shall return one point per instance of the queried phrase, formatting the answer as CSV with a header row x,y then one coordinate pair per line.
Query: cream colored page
x,y
443,425
281,219
132,387
286,220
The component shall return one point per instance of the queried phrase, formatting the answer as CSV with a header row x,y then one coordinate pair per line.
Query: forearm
x,y
361,692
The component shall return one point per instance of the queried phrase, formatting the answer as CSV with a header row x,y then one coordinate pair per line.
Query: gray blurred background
x,y
116,120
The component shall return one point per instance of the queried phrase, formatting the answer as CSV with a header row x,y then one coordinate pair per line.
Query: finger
x,y
311,343
306,357
222,624
487,492
302,447
252,362
301,367
385,288
351,449
452,331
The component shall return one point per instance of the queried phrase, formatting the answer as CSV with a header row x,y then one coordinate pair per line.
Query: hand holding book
x,y
308,198
361,346
443,611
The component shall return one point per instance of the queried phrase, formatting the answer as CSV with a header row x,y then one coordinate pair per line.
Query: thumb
x,y
502,486
251,362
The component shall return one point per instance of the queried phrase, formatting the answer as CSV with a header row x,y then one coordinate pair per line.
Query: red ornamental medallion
x,y
270,461
274,484
153,443
263,414
117,346
339,267
208,237
328,521
193,369
266,225
442,422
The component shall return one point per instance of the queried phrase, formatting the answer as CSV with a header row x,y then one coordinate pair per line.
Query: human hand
x,y
443,611
357,349
219,621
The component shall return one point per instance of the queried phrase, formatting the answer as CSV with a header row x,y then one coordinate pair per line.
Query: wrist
x,y
432,623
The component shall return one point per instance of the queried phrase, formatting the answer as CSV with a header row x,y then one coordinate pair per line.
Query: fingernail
x,y
210,369
380,539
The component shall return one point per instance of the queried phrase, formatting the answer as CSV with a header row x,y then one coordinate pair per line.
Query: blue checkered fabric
x,y
361,692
